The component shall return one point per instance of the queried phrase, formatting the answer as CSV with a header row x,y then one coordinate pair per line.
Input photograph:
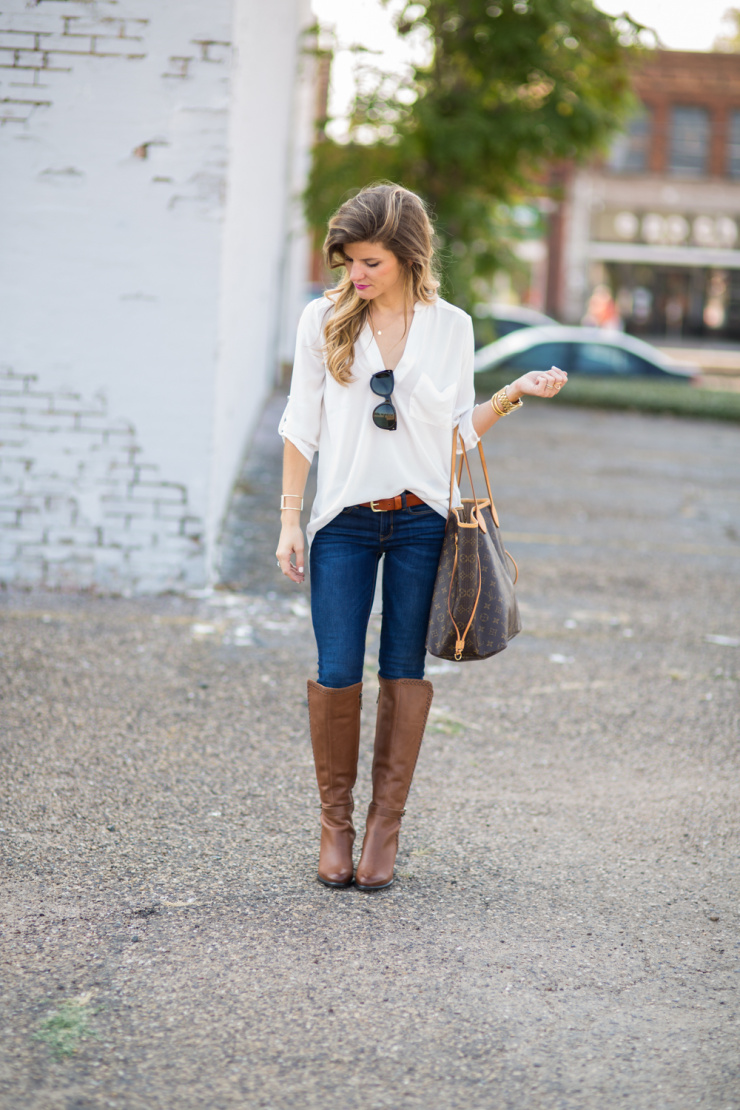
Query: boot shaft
x,y
403,709
334,719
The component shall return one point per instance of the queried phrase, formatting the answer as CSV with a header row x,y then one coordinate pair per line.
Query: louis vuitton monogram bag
x,y
474,610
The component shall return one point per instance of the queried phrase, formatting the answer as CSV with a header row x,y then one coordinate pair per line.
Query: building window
x,y
733,145
689,149
629,152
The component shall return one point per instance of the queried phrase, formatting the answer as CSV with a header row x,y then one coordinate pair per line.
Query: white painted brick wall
x,y
76,502
146,172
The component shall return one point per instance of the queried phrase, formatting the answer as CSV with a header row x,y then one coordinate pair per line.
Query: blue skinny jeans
x,y
344,564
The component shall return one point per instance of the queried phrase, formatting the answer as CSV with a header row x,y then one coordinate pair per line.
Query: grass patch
x,y
63,1029
442,722
636,394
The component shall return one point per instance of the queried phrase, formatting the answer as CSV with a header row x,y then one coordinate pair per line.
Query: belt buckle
x,y
372,506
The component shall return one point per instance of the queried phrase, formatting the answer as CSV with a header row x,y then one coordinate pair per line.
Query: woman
x,y
383,373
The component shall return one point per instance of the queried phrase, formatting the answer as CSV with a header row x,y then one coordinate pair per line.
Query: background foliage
x,y
728,42
511,88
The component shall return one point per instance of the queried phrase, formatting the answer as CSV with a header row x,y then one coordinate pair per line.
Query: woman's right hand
x,y
291,543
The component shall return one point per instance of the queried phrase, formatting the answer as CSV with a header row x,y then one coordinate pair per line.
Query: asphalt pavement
x,y
563,932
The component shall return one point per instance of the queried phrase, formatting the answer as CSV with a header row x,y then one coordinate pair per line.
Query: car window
x,y
541,356
642,366
506,327
602,359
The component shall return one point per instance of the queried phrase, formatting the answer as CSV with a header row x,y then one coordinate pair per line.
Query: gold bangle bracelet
x,y
294,497
501,404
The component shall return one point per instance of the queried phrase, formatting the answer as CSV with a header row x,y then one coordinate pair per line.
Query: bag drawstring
x,y
460,640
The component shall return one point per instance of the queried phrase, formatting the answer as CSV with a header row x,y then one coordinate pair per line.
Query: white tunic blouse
x,y
433,392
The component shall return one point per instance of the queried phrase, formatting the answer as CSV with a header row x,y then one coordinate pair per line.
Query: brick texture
x,y
675,77
57,34
79,507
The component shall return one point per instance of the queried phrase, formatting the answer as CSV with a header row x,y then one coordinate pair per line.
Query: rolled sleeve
x,y
465,400
306,449
301,420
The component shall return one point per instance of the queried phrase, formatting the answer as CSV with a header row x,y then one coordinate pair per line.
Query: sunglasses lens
x,y
382,383
384,416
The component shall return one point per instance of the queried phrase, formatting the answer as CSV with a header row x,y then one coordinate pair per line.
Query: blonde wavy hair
x,y
397,219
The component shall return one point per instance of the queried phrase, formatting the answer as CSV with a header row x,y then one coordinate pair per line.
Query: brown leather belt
x,y
388,504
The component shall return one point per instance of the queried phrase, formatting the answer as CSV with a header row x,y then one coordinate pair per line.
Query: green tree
x,y
729,41
511,88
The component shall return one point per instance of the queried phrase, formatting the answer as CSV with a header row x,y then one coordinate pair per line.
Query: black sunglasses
x,y
384,416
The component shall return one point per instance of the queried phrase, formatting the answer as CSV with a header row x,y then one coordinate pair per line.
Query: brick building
x,y
153,267
658,222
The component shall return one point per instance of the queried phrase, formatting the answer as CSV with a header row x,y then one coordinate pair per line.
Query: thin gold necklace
x,y
378,331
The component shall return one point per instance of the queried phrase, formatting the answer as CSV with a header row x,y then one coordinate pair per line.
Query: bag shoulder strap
x,y
494,514
453,466
464,462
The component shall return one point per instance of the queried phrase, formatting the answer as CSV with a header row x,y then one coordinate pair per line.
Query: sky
x,y
680,24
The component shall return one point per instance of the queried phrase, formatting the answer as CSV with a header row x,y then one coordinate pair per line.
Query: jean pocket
x,y
419,510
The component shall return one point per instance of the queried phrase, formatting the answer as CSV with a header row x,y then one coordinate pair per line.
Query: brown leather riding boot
x,y
403,708
334,717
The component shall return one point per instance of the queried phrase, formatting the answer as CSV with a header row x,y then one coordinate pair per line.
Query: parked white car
x,y
590,351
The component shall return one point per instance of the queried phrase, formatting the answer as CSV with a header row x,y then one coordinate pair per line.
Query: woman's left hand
x,y
537,383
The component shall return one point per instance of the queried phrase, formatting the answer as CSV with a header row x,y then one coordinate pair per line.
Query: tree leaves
x,y
509,88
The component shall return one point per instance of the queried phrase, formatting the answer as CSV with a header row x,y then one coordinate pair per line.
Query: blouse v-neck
x,y
373,350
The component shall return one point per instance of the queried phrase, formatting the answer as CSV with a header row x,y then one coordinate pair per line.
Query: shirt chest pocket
x,y
432,405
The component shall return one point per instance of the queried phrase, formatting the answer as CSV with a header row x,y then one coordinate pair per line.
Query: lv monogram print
x,y
474,611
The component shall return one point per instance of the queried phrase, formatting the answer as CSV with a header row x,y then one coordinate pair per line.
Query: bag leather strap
x,y
464,461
